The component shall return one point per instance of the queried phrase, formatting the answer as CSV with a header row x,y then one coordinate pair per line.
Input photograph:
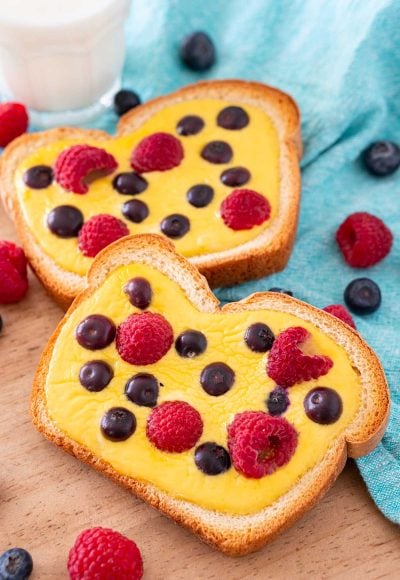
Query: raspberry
x,y
76,163
174,426
363,239
259,444
144,338
13,273
157,152
101,554
100,231
244,208
288,365
341,312
13,122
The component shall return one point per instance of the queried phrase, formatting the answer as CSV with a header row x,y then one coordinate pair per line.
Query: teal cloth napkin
x,y
340,59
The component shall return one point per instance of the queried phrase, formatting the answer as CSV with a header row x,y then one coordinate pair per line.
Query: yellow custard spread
x,y
78,412
255,147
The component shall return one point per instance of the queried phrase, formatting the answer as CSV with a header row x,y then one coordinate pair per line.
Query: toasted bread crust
x,y
234,535
267,253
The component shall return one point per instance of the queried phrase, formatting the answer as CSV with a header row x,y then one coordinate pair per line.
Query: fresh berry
x,y
364,240
95,375
13,122
217,379
118,424
244,208
129,183
174,426
340,312
13,273
15,564
259,444
217,152
100,231
197,51
142,389
200,195
157,152
38,177
190,343
124,101
233,118
175,225
278,401
323,405
95,332
135,211
144,338
235,176
139,291
259,337
75,164
382,158
280,291
103,554
363,296
212,459
65,221
288,365
190,125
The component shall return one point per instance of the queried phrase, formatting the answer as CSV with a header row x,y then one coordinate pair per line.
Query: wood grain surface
x,y
48,497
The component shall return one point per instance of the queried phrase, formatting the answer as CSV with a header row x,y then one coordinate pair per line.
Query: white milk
x,y
61,55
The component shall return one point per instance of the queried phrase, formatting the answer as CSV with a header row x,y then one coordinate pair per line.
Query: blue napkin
x,y
340,59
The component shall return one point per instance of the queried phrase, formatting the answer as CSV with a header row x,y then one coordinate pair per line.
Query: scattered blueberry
x,y
217,378
129,183
95,332
197,51
139,292
259,337
362,296
65,221
235,176
382,158
217,152
191,343
117,424
135,210
212,459
278,401
190,125
175,225
95,375
200,195
233,118
15,564
323,405
142,389
38,177
124,101
280,291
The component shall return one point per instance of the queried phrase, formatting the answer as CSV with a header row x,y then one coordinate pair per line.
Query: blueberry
x,y
129,183
15,564
191,343
217,152
280,291
323,405
142,389
197,51
124,101
233,118
259,337
362,296
190,125
65,221
278,401
175,225
235,176
95,375
200,195
117,424
139,292
382,158
212,459
95,332
135,210
217,378
38,177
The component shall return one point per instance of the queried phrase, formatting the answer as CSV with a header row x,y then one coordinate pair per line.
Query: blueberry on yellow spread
x,y
226,410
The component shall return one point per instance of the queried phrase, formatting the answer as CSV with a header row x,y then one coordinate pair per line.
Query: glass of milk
x,y
61,58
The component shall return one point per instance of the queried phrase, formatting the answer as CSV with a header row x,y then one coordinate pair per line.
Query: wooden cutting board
x,y
48,497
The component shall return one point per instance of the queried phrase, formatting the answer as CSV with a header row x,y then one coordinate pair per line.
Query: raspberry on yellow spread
x,y
203,162
178,398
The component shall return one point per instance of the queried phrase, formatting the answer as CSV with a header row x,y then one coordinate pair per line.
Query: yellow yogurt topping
x,y
78,412
255,147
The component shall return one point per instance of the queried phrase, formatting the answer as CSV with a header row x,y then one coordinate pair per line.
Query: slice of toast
x,y
236,510
269,147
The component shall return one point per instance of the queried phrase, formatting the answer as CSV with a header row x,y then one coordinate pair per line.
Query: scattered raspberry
x,y
102,554
100,231
13,122
174,426
259,444
364,239
288,365
244,208
144,338
76,163
157,152
13,273
341,312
